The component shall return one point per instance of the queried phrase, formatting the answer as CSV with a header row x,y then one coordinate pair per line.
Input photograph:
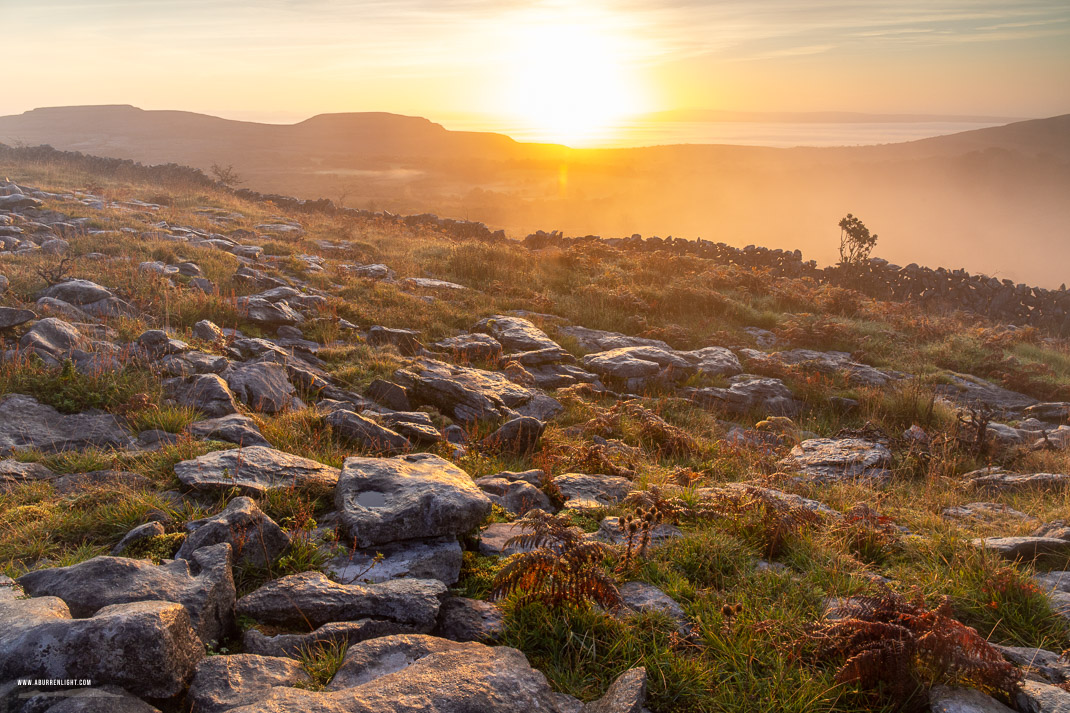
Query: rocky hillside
x,y
257,457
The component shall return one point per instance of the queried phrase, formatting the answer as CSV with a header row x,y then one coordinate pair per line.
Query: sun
x,y
569,81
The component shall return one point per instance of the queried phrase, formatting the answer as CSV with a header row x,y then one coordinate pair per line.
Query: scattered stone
x,y
208,393
983,511
204,586
518,436
470,395
25,423
54,337
470,347
234,428
12,473
371,436
944,699
597,340
516,495
145,531
148,648
748,395
592,491
495,536
224,682
640,597
1024,548
389,394
254,537
967,390
257,642
376,271
208,331
609,530
310,599
270,314
462,619
515,333
407,341
263,386
837,459
1037,697
12,317
410,496
435,558
256,470
1038,664
997,480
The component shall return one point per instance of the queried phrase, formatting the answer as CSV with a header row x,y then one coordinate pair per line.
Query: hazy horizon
x,y
561,72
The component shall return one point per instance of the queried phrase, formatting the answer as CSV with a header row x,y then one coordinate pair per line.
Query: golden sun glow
x,y
570,81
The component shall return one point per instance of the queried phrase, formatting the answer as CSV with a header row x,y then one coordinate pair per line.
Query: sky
x,y
562,66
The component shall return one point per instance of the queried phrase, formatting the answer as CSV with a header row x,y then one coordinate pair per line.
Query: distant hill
x,y
991,200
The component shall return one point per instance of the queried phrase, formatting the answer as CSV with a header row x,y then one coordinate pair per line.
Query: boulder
x,y
19,202
13,472
470,395
640,597
263,386
995,479
148,647
463,619
945,699
53,336
597,340
270,314
592,491
103,699
968,390
748,395
515,333
626,694
208,331
12,317
407,341
208,393
234,428
470,347
224,682
989,512
78,292
389,394
366,433
254,537
635,367
145,531
25,423
515,495
406,673
54,307
713,361
295,646
518,436
204,586
256,470
838,458
1024,548
193,362
826,363
435,558
383,500
310,599
1037,697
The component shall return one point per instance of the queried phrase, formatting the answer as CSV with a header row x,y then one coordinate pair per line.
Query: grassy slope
x,y
746,661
